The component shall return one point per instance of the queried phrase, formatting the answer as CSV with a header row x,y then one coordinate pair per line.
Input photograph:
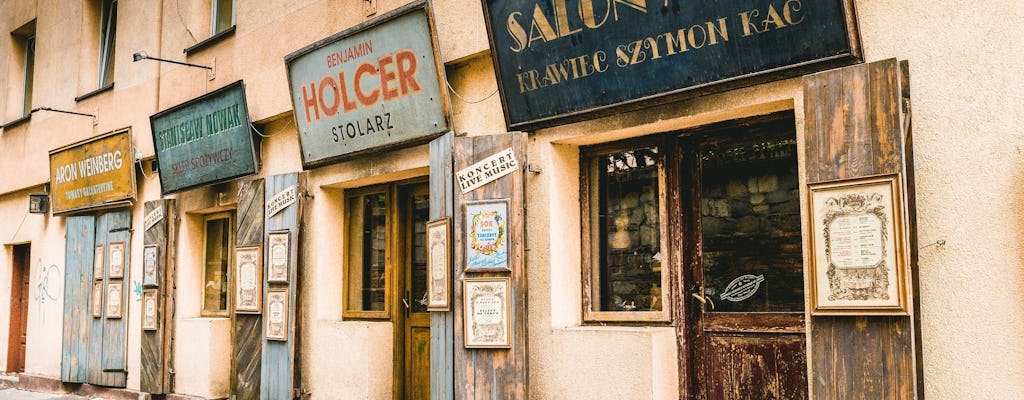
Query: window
x,y
625,205
23,58
108,28
367,269
30,67
222,15
216,258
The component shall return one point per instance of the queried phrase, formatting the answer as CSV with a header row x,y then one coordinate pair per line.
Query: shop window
x,y
366,272
216,258
222,15
23,58
624,207
108,28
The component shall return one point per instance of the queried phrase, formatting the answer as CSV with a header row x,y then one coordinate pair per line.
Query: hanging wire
x,y
142,168
464,99
258,131
16,231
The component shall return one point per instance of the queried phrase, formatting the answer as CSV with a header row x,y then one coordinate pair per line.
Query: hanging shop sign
x,y
566,60
95,173
204,141
371,87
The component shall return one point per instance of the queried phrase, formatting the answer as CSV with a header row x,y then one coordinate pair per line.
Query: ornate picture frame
x,y
486,240
278,256
248,279
858,247
276,325
115,300
486,313
439,264
150,310
115,268
150,266
97,261
97,299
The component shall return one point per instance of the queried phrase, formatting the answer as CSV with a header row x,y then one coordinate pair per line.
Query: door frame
x,y
402,212
21,268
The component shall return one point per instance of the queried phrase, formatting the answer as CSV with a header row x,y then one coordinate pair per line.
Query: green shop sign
x,y
204,141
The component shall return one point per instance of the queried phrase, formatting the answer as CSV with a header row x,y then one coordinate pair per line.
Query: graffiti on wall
x,y
48,287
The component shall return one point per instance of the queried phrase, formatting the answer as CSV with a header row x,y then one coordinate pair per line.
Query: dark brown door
x,y
20,277
413,304
745,264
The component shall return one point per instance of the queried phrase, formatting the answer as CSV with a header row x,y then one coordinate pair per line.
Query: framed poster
x,y
97,262
115,291
486,309
97,299
116,267
486,238
277,315
439,264
858,265
248,282
149,266
280,243
149,310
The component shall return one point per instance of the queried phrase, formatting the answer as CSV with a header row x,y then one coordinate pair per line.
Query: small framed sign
x,y
149,266
858,265
486,308
277,315
97,262
439,264
486,241
97,299
150,314
115,293
280,245
248,282
116,267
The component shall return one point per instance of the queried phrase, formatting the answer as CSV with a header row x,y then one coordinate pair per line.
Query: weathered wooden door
x,y
20,278
416,319
744,257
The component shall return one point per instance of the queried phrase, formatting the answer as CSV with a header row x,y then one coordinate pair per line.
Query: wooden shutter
x,y
110,335
442,329
156,360
247,329
279,367
854,127
492,373
78,282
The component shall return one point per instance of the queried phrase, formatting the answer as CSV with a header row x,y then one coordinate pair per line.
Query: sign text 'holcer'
x,y
563,59
371,87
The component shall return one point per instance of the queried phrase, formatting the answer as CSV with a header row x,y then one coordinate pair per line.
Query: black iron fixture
x,y
139,56
39,203
34,110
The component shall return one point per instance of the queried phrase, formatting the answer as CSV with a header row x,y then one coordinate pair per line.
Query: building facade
x,y
476,199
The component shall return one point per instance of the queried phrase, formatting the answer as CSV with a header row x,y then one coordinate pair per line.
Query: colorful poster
x,y
487,235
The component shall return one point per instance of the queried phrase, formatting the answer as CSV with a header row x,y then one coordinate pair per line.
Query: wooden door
x,y
20,277
415,348
745,263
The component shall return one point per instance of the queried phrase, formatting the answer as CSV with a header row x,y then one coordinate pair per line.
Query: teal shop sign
x,y
204,141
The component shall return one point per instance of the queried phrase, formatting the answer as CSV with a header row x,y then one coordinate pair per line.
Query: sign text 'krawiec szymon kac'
x,y
204,141
572,58
96,173
371,87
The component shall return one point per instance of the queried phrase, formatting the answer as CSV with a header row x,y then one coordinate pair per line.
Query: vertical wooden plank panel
x,y
247,329
96,323
155,351
492,373
858,357
442,339
79,242
279,370
114,362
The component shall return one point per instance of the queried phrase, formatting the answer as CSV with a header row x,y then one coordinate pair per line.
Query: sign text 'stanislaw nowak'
x,y
366,89
562,57
205,140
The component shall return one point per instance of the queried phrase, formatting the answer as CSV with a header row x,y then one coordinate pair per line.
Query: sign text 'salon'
x,y
371,87
204,141
566,60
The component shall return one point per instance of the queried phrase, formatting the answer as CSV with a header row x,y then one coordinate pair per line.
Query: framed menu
x,y
149,310
149,265
97,262
277,315
439,264
97,299
115,295
279,244
858,247
116,267
486,308
248,282
486,241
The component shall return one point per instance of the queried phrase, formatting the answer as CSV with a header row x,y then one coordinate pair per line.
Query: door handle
x,y
406,302
703,300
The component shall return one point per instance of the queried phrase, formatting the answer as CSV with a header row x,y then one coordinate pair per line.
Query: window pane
x,y
366,248
420,216
223,14
750,228
628,273
216,273
108,26
30,66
